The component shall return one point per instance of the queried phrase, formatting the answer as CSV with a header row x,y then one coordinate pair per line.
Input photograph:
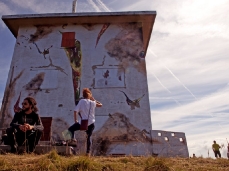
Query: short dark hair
x,y
32,102
86,92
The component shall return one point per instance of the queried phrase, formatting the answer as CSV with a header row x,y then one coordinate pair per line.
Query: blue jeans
x,y
76,127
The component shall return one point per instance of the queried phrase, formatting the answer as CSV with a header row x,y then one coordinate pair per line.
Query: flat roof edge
x,y
51,15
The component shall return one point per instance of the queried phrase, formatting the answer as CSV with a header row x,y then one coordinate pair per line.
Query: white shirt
x,y
83,108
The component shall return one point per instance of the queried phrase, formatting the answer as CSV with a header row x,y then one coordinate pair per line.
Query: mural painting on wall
x,y
104,28
133,103
33,86
37,78
127,46
8,95
117,128
109,77
72,48
41,32
45,51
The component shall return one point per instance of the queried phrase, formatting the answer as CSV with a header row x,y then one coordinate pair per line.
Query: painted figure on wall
x,y
72,48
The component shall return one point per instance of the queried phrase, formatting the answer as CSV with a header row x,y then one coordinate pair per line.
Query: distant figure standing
x,y
215,148
193,156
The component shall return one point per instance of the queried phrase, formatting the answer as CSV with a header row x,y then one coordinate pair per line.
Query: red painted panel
x,y
68,39
47,123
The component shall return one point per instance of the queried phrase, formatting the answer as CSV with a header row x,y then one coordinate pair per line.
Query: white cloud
x,y
94,5
42,6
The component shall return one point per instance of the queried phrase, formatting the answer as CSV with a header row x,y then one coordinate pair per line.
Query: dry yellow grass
x,y
54,162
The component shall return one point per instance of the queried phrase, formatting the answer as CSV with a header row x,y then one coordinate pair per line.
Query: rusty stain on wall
x,y
51,65
41,32
117,128
8,95
33,86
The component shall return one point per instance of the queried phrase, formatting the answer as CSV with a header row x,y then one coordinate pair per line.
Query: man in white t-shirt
x,y
86,110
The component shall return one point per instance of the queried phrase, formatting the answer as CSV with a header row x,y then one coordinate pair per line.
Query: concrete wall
x,y
107,58
169,144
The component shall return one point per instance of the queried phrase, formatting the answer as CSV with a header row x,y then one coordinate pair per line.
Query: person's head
x,y
87,93
29,103
214,141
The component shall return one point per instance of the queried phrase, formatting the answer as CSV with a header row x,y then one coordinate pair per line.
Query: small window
x,y
159,134
181,139
166,139
172,134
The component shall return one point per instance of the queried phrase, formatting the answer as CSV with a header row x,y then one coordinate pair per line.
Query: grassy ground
x,y
53,162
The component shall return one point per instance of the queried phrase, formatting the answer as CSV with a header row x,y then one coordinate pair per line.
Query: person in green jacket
x,y
215,148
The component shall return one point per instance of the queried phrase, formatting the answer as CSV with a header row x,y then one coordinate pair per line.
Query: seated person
x,y
26,127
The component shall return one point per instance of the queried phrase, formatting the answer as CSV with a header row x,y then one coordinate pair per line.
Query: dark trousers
x,y
29,139
217,153
76,126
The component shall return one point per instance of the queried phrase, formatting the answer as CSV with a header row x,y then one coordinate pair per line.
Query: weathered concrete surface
x,y
145,17
169,144
56,55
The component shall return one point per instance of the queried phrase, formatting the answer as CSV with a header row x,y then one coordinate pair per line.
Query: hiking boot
x,y
72,142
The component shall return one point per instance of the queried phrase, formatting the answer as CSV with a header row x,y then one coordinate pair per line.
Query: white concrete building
x,y
57,55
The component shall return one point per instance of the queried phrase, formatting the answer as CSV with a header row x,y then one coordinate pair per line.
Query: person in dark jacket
x,y
26,127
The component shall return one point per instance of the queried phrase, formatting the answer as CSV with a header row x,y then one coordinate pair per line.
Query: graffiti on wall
x,y
117,128
72,48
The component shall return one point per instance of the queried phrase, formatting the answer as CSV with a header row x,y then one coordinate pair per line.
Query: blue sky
x,y
187,62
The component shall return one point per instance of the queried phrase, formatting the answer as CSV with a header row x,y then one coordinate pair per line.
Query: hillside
x,y
53,162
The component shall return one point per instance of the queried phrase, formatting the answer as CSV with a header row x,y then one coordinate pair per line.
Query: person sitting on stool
x,y
26,127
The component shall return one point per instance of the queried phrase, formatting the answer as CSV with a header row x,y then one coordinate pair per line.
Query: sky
x,y
187,62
